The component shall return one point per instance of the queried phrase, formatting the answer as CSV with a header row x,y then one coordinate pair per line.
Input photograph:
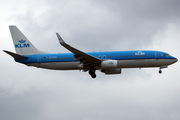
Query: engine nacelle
x,y
112,71
109,64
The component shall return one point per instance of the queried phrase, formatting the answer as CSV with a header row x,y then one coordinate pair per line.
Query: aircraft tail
x,y
22,45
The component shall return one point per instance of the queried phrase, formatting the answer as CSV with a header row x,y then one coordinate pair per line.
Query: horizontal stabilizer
x,y
15,55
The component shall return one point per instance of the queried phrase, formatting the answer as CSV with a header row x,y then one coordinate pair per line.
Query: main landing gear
x,y
92,73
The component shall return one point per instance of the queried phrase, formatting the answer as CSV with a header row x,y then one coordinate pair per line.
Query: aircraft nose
x,y
175,60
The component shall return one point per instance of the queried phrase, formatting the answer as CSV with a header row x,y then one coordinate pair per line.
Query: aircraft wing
x,y
88,61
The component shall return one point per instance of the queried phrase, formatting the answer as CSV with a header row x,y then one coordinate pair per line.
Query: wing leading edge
x,y
88,61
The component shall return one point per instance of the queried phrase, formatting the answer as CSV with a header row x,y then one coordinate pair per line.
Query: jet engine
x,y
109,64
112,71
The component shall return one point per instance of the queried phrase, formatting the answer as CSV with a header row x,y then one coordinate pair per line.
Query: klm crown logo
x,y
111,63
22,41
22,44
139,53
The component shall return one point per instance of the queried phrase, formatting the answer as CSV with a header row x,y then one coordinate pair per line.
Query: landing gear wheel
x,y
93,76
92,73
160,71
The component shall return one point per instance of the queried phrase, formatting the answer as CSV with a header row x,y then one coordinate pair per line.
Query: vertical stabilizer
x,y
22,45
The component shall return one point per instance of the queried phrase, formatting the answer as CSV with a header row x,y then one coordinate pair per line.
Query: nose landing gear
x,y
160,71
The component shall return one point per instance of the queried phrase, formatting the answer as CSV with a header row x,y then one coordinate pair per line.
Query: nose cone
x,y
174,60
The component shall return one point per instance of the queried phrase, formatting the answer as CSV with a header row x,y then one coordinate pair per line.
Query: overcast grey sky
x,y
28,93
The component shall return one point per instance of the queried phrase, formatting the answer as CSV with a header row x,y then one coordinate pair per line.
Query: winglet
x,y
61,41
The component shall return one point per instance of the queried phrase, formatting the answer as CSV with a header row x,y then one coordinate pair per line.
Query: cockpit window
x,y
166,55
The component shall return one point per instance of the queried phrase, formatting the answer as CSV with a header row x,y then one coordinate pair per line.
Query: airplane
x,y
107,62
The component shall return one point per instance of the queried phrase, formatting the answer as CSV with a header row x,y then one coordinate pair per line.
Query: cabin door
x,y
39,59
157,56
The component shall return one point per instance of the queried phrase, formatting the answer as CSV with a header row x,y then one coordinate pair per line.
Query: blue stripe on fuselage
x,y
115,55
